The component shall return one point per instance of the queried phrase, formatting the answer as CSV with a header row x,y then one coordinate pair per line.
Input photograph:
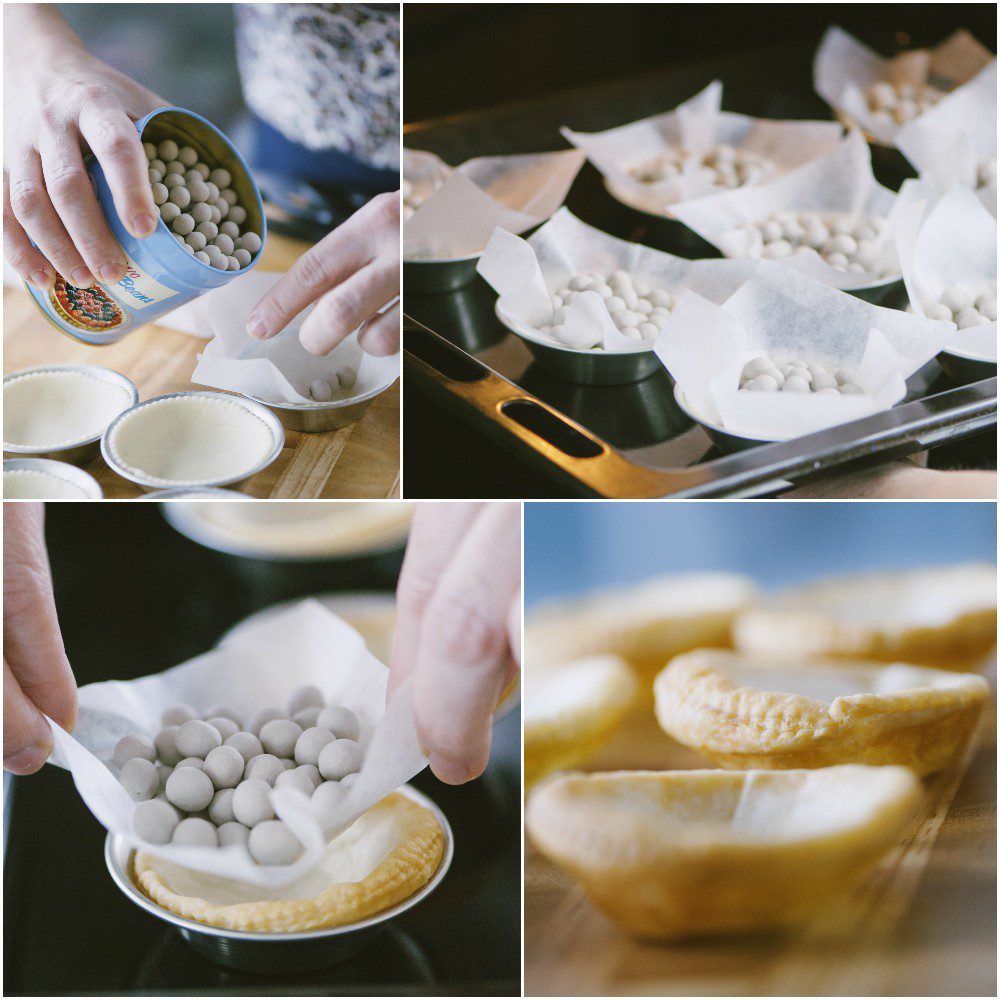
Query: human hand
x,y
60,103
350,275
36,674
458,629
902,480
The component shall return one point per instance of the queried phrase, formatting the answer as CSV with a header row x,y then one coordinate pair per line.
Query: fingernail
x,y
40,279
111,272
26,761
81,277
143,225
257,328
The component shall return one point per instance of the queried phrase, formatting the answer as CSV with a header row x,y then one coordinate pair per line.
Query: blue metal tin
x,y
160,275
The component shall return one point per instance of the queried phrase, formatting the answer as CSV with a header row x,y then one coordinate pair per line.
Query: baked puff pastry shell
x,y
387,855
671,854
571,710
942,616
742,712
646,625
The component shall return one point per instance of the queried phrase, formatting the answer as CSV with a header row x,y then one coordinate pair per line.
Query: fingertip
x,y
41,279
142,225
28,760
455,772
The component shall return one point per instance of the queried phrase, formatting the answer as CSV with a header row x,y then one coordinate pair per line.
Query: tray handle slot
x,y
445,359
543,423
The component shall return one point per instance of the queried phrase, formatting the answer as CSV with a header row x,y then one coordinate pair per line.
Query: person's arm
x,y
458,628
351,275
36,674
60,103
901,481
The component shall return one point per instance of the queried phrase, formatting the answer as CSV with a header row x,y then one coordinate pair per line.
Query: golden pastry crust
x,y
810,621
646,625
406,869
737,711
566,730
676,854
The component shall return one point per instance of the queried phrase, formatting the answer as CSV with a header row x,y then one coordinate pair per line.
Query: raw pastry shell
x,y
408,867
571,731
798,624
923,726
662,854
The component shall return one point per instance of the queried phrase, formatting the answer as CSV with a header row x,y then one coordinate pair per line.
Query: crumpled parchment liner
x,y
259,667
840,181
953,242
844,69
947,143
510,192
704,346
525,272
698,125
278,369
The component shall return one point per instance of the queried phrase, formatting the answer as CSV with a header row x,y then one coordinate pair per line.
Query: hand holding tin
x,y
66,104
36,674
352,275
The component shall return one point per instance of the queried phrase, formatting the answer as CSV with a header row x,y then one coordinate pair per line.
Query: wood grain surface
x,y
923,925
357,462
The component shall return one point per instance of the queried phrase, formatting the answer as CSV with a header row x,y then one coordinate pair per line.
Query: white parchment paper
x,y
525,273
279,370
840,181
258,667
947,143
845,69
784,315
465,204
953,242
697,126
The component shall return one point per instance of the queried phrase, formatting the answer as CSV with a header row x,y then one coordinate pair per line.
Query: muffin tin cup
x,y
312,418
150,483
78,452
429,277
276,953
62,470
584,367
160,276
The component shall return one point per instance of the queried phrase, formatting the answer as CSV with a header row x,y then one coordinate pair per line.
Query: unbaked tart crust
x,y
34,484
387,855
646,625
56,409
942,616
674,854
743,711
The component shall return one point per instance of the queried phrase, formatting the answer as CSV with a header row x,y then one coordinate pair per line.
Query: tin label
x,y
137,289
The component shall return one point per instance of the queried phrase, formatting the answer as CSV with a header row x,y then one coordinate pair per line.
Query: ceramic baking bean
x,y
176,715
225,765
203,170
200,212
155,821
168,150
232,264
311,771
293,779
305,697
233,833
223,206
224,243
160,193
225,726
229,229
135,745
180,196
203,257
238,214
213,192
169,211
194,832
342,722
247,744
165,743
230,195
220,809
248,241
183,224
189,789
195,762
197,738
311,743
216,214
252,802
155,177
140,778
208,229
272,843
279,737
188,156
328,797
150,150
340,758
220,177
307,717
264,767
321,392
242,257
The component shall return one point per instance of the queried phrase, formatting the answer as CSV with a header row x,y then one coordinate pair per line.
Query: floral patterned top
x,y
326,76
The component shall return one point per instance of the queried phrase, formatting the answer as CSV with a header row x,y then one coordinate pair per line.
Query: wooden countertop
x,y
356,462
924,925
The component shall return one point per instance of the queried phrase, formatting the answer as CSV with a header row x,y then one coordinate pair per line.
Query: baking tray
x,y
633,440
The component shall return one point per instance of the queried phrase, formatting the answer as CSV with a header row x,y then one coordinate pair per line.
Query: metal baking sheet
x,y
633,440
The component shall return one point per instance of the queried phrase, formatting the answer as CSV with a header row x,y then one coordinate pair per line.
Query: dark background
x,y
511,74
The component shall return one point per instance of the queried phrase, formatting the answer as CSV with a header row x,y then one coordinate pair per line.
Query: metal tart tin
x,y
82,451
585,367
196,493
63,470
965,368
276,953
426,277
316,417
149,484
160,276
725,440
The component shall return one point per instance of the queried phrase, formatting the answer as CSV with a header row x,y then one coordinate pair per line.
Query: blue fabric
x,y
268,150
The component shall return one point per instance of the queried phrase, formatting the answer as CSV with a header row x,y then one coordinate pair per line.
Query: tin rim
x,y
257,409
334,404
95,371
114,842
63,470
442,261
